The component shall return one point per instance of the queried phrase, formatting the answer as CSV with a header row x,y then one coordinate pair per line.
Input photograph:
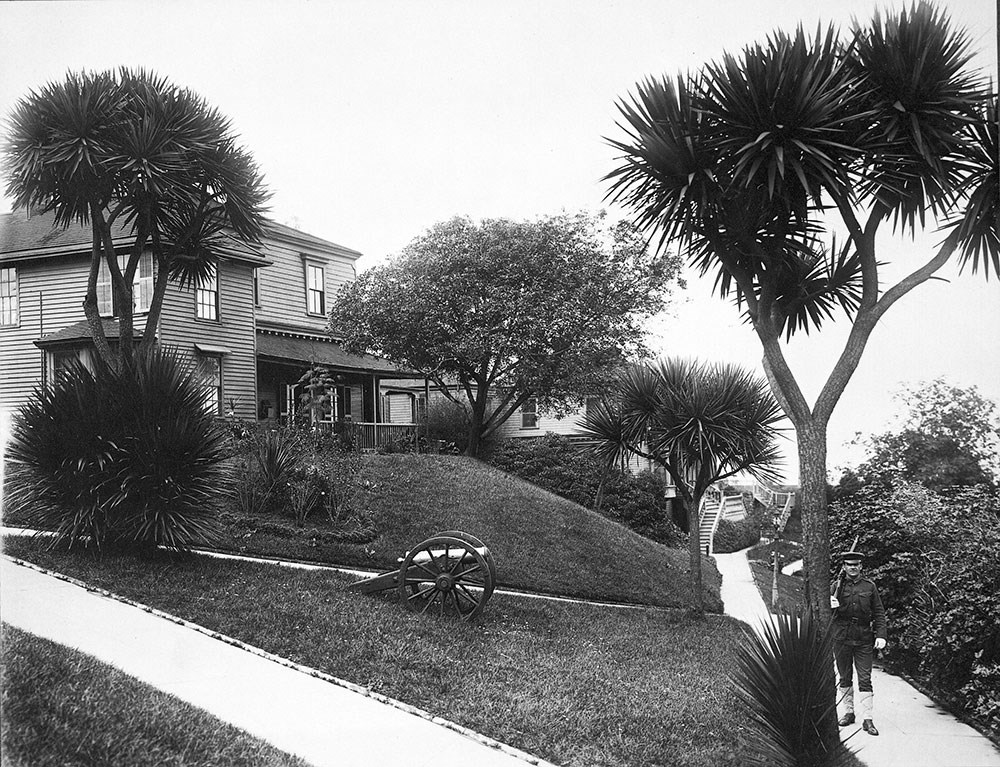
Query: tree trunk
x,y
156,304
694,557
816,548
476,427
815,522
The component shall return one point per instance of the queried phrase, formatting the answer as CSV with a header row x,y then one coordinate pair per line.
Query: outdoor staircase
x,y
716,506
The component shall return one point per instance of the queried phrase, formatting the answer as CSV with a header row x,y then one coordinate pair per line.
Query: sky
x,y
372,121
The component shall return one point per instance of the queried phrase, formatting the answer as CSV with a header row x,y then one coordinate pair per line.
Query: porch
x,y
312,380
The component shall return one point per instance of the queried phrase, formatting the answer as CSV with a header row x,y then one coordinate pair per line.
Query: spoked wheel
x,y
481,548
446,575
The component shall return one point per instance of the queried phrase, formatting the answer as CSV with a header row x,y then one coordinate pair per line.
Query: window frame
x,y
12,299
217,385
106,302
312,290
211,288
53,366
529,411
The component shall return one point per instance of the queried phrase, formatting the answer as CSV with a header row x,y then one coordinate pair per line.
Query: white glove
x,y
880,644
834,603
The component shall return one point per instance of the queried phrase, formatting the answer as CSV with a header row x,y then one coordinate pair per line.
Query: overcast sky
x,y
374,120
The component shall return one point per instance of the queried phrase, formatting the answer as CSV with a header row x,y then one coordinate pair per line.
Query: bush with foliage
x,y
296,471
127,456
936,560
737,535
447,422
558,465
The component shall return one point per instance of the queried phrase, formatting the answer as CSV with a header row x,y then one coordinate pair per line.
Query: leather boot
x,y
869,726
846,719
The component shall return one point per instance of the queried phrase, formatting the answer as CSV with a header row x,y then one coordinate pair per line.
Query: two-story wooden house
x,y
253,329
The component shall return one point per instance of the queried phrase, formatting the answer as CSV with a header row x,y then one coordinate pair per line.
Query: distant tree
x,y
129,146
752,164
702,423
949,438
512,310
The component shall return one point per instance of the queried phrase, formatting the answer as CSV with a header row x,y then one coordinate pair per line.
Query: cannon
x,y
451,573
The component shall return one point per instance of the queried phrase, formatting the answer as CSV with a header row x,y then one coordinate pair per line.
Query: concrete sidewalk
x,y
914,731
302,713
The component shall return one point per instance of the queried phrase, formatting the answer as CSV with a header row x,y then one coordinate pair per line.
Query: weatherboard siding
x,y
282,286
566,426
233,331
50,298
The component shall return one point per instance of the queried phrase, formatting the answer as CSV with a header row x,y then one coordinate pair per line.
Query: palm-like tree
x,y
701,422
747,164
130,147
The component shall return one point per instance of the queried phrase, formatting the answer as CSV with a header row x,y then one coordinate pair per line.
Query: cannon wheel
x,y
469,538
445,575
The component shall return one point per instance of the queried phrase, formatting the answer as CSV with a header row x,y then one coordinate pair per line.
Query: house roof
x,y
290,233
24,236
80,331
324,352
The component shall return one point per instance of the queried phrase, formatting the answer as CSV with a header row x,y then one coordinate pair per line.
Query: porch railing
x,y
374,435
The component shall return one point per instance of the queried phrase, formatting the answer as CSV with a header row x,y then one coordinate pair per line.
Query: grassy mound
x,y
540,541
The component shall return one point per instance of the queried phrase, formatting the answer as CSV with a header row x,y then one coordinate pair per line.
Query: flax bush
x,y
128,456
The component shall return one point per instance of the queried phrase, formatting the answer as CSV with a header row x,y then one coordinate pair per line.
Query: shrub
x,y
448,423
127,456
297,471
560,466
733,536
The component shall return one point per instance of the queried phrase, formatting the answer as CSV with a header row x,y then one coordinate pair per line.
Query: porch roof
x,y
80,332
324,352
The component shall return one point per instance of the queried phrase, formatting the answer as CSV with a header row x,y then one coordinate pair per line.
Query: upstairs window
x,y
142,285
206,296
315,290
529,414
9,307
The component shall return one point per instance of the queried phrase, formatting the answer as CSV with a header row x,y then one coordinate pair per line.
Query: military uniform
x,y
857,622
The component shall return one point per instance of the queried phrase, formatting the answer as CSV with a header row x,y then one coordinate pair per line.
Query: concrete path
x,y
324,721
914,731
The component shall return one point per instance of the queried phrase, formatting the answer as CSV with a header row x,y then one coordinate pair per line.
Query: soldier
x,y
858,627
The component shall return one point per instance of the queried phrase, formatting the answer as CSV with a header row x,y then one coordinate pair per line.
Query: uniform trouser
x,y
850,657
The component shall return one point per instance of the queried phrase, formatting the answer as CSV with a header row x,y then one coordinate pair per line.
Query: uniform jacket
x,y
860,617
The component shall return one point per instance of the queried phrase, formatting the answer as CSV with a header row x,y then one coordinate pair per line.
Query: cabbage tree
x,y
129,149
777,169
701,422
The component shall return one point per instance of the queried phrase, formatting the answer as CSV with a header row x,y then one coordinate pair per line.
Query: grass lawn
x,y
575,684
541,542
61,707
791,589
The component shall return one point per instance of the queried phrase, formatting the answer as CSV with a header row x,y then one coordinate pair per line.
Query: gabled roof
x,y
283,231
21,233
24,236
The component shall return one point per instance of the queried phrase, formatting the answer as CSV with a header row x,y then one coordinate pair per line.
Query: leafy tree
x,y
948,439
753,164
130,147
509,309
700,422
